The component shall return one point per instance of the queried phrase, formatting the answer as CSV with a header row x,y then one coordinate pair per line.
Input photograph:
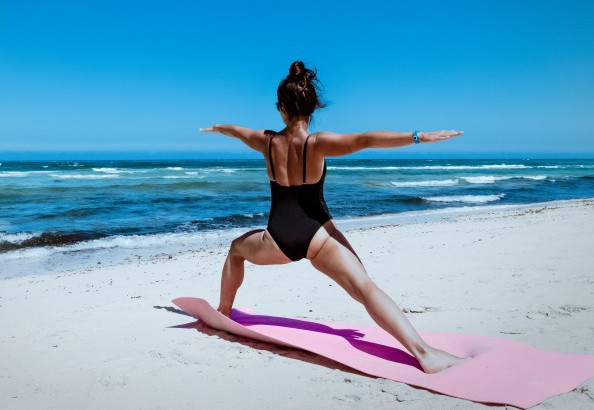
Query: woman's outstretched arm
x,y
332,144
255,139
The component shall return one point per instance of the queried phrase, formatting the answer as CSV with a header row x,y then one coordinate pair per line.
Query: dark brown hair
x,y
298,93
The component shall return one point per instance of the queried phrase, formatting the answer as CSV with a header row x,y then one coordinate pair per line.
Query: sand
x,y
105,336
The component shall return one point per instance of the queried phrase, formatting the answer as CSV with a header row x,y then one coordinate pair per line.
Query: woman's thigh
x,y
343,266
259,248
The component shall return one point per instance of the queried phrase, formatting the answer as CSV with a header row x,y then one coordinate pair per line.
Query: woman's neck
x,y
298,126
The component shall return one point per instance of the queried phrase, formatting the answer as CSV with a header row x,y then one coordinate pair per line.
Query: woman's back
x,y
292,159
297,208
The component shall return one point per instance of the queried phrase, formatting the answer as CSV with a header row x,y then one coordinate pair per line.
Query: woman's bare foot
x,y
225,311
435,360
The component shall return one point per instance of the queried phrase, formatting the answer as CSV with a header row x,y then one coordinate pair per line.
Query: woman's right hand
x,y
434,136
209,129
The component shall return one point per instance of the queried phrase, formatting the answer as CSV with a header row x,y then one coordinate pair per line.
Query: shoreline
x,y
104,335
426,216
115,250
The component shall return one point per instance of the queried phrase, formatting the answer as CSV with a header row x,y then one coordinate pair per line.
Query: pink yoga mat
x,y
500,371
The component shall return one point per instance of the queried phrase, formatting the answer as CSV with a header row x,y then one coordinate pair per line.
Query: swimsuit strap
x,y
305,156
270,156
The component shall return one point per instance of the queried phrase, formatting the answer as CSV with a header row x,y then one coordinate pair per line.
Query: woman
x,y
300,225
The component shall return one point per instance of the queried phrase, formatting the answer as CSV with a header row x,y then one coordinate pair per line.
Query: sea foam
x,y
475,199
412,184
20,174
84,176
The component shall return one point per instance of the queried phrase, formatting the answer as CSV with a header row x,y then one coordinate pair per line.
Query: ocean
x,y
54,206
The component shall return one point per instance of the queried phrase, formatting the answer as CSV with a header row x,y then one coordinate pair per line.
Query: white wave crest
x,y
16,237
106,170
489,179
503,166
83,176
20,174
26,253
476,199
442,182
156,241
14,174
229,170
175,168
115,170
436,167
252,215
485,179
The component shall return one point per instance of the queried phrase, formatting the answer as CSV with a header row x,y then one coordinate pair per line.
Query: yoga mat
x,y
500,371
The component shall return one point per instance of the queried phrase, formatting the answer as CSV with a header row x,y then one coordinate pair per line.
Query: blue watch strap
x,y
416,136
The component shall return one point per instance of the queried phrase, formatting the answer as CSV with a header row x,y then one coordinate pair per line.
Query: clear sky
x,y
516,76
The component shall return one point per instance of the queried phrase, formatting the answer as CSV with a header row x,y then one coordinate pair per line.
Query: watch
x,y
416,136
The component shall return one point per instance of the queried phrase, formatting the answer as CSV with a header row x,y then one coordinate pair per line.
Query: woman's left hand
x,y
434,136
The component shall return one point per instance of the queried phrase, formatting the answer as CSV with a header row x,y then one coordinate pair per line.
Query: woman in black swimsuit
x,y
300,225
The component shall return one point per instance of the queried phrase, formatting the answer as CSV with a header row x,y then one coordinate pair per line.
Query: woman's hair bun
x,y
298,92
297,69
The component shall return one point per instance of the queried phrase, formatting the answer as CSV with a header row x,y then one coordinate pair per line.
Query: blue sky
x,y
516,76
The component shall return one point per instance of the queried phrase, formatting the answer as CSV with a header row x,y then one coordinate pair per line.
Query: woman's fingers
x,y
209,129
451,133
435,136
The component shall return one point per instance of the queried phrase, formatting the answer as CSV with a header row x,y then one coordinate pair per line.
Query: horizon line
x,y
15,156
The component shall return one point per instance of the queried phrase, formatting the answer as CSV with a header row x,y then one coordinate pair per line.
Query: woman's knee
x,y
239,246
235,250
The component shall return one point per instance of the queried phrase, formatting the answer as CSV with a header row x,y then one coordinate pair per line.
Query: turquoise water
x,y
59,203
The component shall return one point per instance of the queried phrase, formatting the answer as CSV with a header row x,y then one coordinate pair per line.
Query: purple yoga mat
x,y
500,371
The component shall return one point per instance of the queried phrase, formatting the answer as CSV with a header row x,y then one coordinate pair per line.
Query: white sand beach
x,y
103,337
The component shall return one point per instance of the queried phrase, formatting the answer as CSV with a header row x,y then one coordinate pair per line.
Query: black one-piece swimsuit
x,y
296,212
